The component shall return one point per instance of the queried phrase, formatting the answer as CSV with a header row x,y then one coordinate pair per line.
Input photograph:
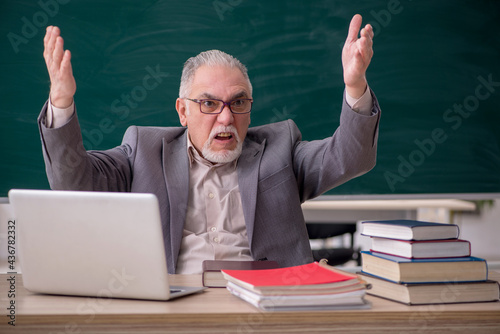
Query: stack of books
x,y
313,286
417,262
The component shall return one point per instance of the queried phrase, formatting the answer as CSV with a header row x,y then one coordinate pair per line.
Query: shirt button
x,y
213,229
211,195
216,240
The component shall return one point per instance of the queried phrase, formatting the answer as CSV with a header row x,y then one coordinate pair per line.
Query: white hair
x,y
209,58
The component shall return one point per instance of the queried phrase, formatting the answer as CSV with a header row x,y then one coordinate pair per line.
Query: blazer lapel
x,y
176,172
248,179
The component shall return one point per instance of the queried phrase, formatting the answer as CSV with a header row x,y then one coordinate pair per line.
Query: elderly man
x,y
226,191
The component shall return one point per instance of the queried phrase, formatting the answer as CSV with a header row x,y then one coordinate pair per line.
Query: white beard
x,y
226,155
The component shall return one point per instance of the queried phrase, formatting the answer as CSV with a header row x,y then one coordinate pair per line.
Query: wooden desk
x,y
217,311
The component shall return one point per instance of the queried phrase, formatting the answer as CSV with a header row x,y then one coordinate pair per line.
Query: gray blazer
x,y
276,173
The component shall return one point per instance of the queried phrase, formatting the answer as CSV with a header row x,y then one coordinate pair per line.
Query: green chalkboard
x,y
436,73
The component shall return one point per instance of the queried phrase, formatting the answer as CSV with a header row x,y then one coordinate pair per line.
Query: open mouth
x,y
224,136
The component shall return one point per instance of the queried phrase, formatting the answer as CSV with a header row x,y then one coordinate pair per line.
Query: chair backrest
x,y
335,256
328,230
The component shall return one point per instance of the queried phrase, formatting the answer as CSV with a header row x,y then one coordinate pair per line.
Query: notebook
x,y
96,244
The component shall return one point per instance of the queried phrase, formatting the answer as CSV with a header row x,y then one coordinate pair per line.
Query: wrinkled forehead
x,y
220,82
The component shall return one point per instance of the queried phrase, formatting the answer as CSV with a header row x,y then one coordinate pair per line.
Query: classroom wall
x,y
483,231
435,72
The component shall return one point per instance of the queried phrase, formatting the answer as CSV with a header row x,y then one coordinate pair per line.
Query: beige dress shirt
x,y
215,227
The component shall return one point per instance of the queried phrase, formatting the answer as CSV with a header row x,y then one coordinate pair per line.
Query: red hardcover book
x,y
313,276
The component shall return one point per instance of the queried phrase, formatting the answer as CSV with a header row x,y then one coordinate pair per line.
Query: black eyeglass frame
x,y
224,104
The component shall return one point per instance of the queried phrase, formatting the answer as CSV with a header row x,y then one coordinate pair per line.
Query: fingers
x,y
354,27
365,42
66,63
46,40
47,49
58,52
366,39
367,31
50,40
53,49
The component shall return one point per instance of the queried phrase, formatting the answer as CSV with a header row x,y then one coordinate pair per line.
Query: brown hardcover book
x,y
213,278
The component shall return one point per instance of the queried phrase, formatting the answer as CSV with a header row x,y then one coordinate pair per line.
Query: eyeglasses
x,y
213,106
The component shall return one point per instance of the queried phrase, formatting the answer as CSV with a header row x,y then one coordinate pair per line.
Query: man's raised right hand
x,y
58,61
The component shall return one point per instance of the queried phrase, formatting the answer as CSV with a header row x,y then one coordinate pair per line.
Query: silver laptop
x,y
96,244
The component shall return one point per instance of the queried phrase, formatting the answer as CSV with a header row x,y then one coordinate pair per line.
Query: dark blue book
x,y
402,270
409,230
